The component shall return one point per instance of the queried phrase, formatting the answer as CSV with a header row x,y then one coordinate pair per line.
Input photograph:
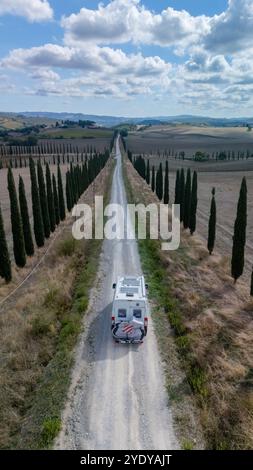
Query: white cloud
x,y
106,71
94,59
45,74
216,64
32,10
231,31
127,20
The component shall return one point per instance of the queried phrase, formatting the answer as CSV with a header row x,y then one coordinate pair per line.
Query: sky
x,y
127,57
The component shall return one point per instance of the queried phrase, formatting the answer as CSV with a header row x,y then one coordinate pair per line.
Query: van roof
x,y
130,288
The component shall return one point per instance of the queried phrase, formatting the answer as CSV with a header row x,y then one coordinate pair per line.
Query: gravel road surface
x,y
117,398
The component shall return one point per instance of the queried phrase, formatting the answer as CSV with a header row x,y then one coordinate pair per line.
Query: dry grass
x,y
214,331
32,323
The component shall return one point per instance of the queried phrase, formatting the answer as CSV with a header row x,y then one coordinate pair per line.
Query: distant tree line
x,y
201,156
44,148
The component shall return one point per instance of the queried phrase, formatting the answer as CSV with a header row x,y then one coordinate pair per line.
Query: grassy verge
x,y
44,422
161,291
212,330
44,418
38,335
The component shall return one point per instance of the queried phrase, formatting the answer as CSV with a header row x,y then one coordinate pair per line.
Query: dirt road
x,y
117,397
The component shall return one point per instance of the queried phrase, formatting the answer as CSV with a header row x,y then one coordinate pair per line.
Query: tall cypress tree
x,y
251,285
56,202
43,200
29,246
239,239
177,188
182,194
85,177
212,224
68,192
166,184
159,182
187,199
157,179
194,203
153,179
37,214
5,264
148,174
16,223
60,194
50,199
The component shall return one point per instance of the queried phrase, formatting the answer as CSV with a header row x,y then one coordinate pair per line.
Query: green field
x,y
77,133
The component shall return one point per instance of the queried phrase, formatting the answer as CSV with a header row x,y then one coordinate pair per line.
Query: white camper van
x,y
130,310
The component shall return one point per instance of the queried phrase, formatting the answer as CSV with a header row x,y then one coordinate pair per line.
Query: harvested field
x,y
78,137
227,192
190,139
225,176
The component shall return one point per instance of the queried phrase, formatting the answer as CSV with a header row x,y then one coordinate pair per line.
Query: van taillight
x,y
146,321
113,319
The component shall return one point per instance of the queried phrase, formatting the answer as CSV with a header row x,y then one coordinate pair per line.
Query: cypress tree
x,y
148,174
16,223
239,239
159,182
68,192
29,246
153,179
166,184
37,214
182,194
60,194
187,199
50,199
43,200
56,202
177,188
5,264
212,224
86,179
194,203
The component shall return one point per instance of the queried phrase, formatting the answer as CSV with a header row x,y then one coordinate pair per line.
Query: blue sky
x,y
127,57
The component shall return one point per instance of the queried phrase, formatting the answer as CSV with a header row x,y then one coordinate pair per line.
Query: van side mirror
x,y
114,286
146,286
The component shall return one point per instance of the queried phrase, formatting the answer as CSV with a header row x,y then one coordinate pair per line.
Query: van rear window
x,y
122,313
137,313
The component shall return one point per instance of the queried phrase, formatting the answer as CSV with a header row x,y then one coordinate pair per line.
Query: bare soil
x,y
190,139
227,185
